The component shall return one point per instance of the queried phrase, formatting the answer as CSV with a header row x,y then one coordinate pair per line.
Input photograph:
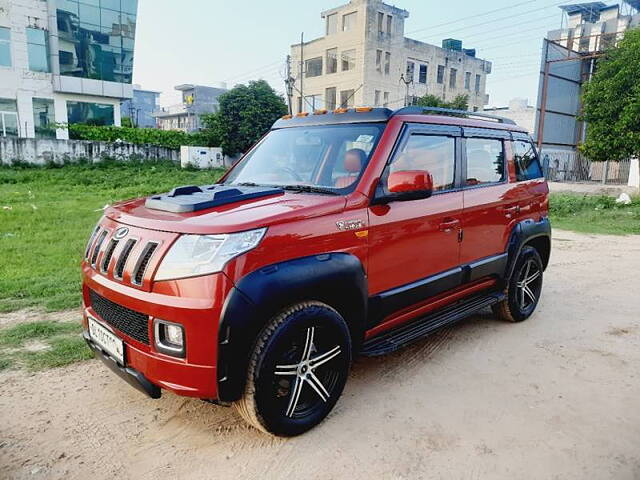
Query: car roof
x,y
415,114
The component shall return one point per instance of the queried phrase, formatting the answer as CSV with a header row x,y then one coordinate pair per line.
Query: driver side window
x,y
433,153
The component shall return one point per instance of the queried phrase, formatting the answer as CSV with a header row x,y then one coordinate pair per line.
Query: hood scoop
x,y
192,198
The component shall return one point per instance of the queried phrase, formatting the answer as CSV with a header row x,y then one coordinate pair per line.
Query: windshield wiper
x,y
309,189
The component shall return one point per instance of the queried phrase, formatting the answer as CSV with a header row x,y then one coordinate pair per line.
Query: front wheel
x,y
524,287
297,371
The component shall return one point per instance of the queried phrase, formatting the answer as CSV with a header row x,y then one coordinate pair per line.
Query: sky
x,y
210,41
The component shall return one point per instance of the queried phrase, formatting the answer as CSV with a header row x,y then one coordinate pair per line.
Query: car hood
x,y
232,217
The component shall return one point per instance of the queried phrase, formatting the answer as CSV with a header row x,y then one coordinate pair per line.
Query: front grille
x,y
108,254
96,249
138,275
124,256
131,323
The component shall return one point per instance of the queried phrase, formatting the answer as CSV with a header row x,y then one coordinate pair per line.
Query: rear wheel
x,y
297,371
524,287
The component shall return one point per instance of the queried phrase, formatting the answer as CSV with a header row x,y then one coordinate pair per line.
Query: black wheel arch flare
x,y
529,232
337,279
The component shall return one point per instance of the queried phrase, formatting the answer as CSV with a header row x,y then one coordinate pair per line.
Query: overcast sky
x,y
209,41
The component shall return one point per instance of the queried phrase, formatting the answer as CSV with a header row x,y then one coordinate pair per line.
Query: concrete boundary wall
x,y
42,151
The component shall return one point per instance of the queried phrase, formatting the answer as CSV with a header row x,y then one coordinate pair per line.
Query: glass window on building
x,y
332,24
376,98
8,118
379,60
37,50
349,21
422,77
330,98
467,80
313,67
332,60
411,67
96,38
385,101
477,83
44,118
380,22
387,63
346,98
348,60
90,113
312,103
440,78
389,23
5,47
453,78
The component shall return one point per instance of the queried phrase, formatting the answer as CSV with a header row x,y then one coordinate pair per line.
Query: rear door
x,y
490,201
413,244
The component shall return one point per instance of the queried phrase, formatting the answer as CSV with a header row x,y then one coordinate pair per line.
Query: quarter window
x,y
485,161
526,160
435,154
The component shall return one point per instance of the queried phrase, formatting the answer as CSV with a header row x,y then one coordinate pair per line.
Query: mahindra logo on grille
x,y
121,233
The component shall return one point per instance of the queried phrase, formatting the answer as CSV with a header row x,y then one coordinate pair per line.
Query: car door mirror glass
x,y
410,184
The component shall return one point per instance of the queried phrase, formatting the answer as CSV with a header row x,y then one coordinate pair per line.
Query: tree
x,y
611,103
246,113
461,102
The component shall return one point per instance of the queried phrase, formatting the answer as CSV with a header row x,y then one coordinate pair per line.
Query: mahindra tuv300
x,y
340,233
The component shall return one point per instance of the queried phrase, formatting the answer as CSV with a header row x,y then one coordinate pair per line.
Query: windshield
x,y
324,159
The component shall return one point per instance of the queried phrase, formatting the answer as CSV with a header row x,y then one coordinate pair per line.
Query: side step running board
x,y
391,341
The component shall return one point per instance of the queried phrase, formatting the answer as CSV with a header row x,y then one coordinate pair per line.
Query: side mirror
x,y
410,185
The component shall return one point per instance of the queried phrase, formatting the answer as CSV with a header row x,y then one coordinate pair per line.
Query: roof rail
x,y
415,110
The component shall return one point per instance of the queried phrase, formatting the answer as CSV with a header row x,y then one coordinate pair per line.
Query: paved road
x,y
554,397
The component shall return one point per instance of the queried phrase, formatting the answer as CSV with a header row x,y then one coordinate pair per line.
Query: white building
x,y
196,100
64,61
517,110
365,59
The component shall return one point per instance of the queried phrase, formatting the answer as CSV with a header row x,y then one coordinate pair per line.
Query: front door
x,y
414,244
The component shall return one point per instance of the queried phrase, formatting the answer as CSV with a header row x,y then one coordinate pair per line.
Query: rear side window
x,y
485,161
433,153
526,160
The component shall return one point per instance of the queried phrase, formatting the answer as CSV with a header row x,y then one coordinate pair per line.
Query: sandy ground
x,y
556,397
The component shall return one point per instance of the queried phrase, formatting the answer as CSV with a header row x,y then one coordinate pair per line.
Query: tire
x,y
522,298
297,371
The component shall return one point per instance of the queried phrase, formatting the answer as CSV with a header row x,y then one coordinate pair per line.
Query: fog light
x,y
169,338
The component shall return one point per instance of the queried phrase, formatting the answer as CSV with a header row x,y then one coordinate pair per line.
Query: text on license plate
x,y
107,340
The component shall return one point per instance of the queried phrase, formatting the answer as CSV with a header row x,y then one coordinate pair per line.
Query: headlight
x,y
193,255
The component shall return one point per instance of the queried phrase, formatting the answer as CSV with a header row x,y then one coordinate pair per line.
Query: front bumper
x,y
133,377
194,303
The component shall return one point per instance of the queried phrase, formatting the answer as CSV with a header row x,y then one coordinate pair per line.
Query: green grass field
x,y
46,216
47,213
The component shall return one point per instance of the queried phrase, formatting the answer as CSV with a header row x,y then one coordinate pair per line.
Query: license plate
x,y
107,340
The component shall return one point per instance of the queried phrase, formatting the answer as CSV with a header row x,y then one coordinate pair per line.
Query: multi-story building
x,y
197,100
365,59
141,107
569,58
64,61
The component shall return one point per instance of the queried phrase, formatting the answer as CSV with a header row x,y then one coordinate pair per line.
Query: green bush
x,y
141,136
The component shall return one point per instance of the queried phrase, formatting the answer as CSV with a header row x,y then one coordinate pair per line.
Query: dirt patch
x,y
34,315
553,397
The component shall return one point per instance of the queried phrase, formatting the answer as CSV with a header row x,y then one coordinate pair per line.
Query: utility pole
x,y
288,83
406,84
301,72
